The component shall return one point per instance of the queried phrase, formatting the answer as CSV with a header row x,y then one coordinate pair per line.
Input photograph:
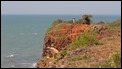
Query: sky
x,y
61,7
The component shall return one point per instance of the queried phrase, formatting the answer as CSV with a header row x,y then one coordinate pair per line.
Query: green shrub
x,y
87,38
85,17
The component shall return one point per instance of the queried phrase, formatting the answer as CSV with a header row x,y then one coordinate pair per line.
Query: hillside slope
x,y
75,45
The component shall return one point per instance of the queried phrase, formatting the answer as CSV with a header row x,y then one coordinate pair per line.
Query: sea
x,y
22,37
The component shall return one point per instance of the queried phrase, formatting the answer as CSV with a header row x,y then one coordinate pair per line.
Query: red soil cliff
x,y
61,37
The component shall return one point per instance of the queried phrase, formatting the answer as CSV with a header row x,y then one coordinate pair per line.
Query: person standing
x,y
73,20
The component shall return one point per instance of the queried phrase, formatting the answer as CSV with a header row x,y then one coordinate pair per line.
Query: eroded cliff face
x,y
60,38
57,39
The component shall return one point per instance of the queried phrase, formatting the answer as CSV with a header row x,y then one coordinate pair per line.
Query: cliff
x,y
77,45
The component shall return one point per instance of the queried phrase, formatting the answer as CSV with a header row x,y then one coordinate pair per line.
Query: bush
x,y
85,18
87,38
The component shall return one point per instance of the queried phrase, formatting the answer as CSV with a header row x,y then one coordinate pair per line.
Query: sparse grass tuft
x,y
115,24
79,57
114,61
57,24
63,52
60,55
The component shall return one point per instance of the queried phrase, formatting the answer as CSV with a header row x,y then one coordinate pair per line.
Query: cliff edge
x,y
82,45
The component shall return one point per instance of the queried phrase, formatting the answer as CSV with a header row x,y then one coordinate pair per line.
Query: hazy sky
x,y
61,7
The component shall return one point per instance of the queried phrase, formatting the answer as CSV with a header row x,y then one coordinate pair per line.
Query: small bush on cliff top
x,y
85,18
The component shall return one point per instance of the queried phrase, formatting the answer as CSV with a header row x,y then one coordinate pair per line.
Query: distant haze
x,y
61,7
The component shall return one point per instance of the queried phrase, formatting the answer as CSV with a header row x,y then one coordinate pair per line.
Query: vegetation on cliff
x,y
114,60
97,45
115,24
86,38
84,19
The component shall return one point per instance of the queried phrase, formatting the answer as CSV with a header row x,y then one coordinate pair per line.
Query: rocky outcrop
x,y
60,38
55,40
62,34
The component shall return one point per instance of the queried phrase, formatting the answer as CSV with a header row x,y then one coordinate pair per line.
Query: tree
x,y
86,19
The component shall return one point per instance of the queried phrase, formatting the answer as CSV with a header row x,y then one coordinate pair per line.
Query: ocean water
x,y
22,37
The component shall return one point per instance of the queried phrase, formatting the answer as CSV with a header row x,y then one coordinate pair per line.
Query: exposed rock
x,y
99,27
56,40
60,38
53,51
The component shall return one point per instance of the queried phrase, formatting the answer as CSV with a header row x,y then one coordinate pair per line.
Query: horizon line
x,y
61,14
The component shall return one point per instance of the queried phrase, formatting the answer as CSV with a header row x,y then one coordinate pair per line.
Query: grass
x,y
56,25
79,21
63,52
79,57
115,24
87,38
114,61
